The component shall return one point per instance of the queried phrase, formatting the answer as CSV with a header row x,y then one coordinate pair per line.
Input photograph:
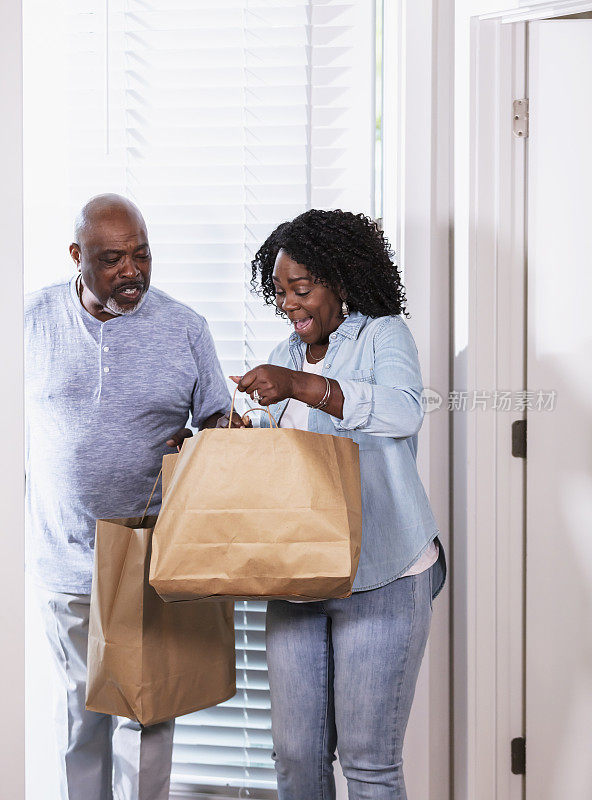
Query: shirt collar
x,y
350,327
81,310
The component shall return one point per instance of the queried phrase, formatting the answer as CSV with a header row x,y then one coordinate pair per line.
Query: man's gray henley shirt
x,y
102,398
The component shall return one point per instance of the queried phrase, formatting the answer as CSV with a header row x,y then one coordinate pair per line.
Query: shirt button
x,y
105,369
106,348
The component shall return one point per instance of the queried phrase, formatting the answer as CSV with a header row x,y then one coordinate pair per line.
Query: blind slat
x,y
193,735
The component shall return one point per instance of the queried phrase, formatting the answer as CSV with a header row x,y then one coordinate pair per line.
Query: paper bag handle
x,y
152,492
272,422
150,498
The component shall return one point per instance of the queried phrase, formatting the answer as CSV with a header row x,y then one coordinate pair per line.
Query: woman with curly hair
x,y
342,673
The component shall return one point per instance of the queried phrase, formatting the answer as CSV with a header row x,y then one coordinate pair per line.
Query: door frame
x,y
495,362
489,660
12,624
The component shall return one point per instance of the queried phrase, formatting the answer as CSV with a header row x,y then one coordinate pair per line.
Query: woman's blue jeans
x,y
342,675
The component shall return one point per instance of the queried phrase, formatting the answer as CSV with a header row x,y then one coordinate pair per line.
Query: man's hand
x,y
237,421
178,438
267,384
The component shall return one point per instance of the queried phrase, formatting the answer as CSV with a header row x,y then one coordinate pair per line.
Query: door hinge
x,y
520,118
519,438
519,756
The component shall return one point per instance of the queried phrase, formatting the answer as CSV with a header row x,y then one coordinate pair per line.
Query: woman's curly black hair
x,y
347,252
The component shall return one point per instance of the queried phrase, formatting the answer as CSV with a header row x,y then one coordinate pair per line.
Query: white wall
x,y
11,408
423,212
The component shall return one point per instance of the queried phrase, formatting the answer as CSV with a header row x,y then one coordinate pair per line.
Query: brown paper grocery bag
x,y
150,660
260,513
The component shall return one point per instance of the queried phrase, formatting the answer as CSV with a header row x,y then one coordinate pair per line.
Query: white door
x,y
559,462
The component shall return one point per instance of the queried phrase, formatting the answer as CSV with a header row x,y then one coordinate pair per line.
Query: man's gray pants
x,y
100,757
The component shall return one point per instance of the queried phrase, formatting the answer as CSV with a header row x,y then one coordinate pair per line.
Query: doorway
x,y
558,584
530,336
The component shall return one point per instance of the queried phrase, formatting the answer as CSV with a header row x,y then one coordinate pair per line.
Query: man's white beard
x,y
114,308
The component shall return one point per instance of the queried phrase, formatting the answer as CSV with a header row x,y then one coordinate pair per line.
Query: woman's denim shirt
x,y
376,364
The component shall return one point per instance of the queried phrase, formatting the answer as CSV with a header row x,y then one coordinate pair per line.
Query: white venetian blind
x,y
220,120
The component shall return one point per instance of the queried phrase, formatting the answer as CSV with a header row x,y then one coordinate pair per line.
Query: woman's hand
x,y
267,384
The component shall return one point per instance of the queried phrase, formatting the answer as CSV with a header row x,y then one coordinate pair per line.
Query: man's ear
x,y
75,253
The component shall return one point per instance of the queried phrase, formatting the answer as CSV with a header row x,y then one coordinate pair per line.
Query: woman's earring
x,y
344,309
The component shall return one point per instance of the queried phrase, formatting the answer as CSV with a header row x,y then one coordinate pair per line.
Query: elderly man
x,y
113,371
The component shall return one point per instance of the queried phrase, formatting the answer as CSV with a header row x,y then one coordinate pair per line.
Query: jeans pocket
x,y
431,587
